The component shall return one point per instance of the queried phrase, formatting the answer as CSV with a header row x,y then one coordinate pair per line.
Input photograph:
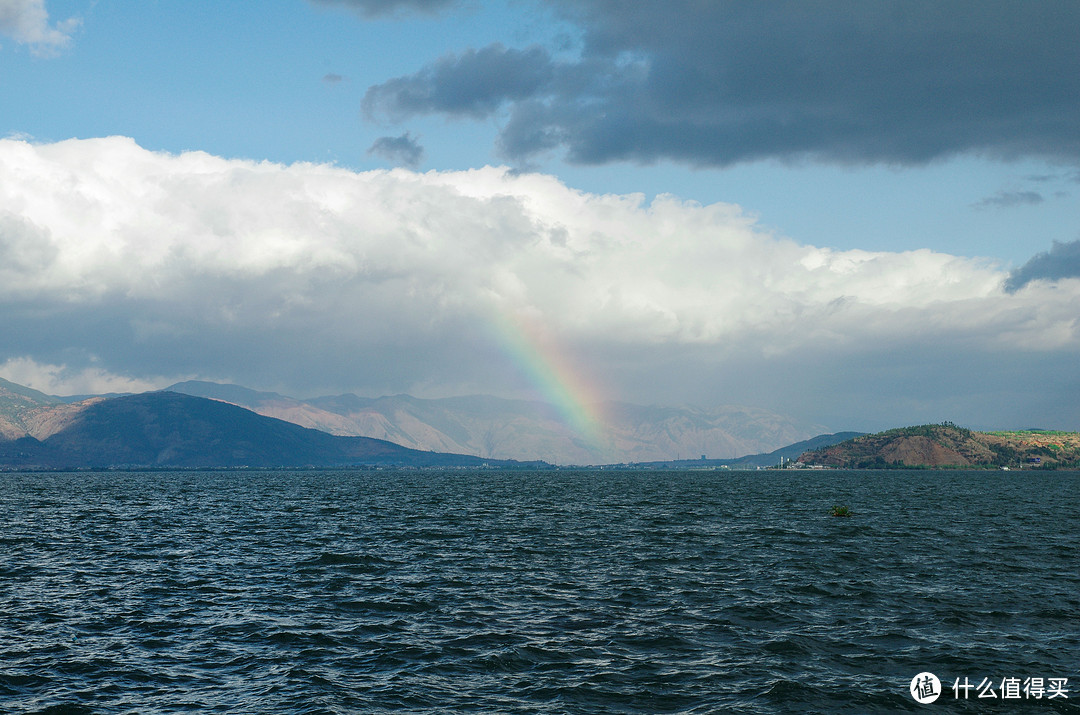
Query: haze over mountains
x,y
479,426
518,429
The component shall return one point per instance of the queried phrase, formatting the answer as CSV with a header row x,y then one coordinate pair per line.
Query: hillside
x,y
167,429
17,404
498,428
947,445
754,461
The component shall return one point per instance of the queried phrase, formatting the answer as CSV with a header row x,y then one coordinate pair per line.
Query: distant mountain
x,y
947,445
168,429
481,426
754,461
9,390
26,412
271,404
641,434
518,429
792,451
17,404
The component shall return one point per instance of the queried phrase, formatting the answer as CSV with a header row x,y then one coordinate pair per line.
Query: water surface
x,y
519,592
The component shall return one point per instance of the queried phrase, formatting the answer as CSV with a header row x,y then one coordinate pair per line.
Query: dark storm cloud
x,y
402,151
386,8
474,84
1007,199
713,83
1061,261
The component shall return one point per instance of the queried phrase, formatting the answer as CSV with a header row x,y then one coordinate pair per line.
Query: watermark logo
x,y
925,688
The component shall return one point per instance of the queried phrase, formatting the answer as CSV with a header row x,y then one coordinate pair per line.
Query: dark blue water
x,y
577,592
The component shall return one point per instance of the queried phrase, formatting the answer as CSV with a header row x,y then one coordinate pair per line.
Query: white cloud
x,y
62,380
279,275
27,21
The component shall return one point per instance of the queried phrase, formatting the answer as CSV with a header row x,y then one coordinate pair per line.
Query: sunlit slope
x,y
947,445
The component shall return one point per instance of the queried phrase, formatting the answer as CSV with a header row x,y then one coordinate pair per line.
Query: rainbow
x,y
547,367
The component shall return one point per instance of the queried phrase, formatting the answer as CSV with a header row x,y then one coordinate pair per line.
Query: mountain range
x,y
210,425
201,424
169,429
497,428
774,458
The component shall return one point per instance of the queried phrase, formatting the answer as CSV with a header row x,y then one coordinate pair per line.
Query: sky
x,y
863,215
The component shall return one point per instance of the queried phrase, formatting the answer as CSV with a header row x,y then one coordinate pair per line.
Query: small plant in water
x,y
841,511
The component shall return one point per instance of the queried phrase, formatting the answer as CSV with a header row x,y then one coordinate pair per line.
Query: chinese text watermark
x,y
926,688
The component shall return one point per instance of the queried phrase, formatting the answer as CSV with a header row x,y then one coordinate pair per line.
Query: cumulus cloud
x,y
313,278
27,21
716,83
391,8
1061,261
401,151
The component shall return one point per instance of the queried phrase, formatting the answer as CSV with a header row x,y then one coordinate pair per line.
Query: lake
x,y
538,592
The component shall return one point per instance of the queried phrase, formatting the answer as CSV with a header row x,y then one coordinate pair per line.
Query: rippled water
x,y
584,592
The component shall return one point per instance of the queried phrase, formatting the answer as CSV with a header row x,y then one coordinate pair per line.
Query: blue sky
x,y
286,82
930,148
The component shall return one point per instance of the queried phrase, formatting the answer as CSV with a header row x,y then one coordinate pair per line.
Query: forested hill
x,y
947,445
